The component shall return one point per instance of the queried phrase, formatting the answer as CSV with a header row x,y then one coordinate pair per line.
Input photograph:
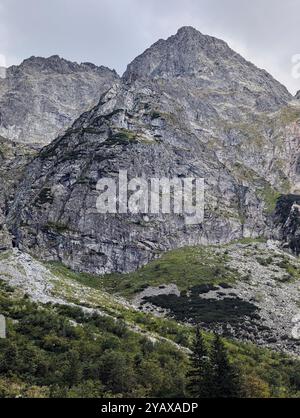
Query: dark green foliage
x,y
200,376
211,374
264,261
209,311
185,267
62,351
203,288
55,227
155,115
226,380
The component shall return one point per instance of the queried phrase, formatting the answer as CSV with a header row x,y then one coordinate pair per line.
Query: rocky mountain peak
x,y
184,53
188,35
42,97
298,95
188,106
49,64
206,61
188,30
55,64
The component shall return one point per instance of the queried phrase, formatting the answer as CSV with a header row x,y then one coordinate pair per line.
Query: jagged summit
x,y
189,33
52,63
180,54
57,64
187,30
209,61
42,97
188,107
298,95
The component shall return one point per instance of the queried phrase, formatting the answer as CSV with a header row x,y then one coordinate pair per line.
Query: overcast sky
x,y
113,32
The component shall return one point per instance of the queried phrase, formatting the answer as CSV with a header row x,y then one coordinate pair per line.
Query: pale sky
x,y
113,32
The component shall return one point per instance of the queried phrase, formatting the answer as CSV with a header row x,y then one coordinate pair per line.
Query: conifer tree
x,y
200,373
226,381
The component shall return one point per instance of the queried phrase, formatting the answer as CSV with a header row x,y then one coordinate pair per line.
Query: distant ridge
x,y
42,97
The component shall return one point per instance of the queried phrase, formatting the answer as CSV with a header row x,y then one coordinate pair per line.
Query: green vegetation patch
x,y
185,267
124,136
60,351
58,227
270,197
208,311
288,115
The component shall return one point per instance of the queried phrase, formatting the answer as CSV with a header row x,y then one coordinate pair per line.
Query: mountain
x,y
42,97
208,63
39,99
189,106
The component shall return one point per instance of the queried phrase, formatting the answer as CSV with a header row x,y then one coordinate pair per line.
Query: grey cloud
x,y
113,32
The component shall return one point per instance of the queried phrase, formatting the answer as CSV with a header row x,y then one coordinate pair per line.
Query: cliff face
x,y
208,63
188,107
39,99
42,97
13,159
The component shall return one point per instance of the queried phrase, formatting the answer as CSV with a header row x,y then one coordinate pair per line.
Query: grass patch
x,y
56,227
270,197
185,267
292,271
289,115
5,255
123,136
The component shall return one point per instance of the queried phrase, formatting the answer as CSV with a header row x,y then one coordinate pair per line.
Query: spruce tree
x,y
200,373
226,379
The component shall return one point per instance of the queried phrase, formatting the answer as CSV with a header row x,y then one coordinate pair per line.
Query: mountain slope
x,y
72,340
208,62
42,97
188,107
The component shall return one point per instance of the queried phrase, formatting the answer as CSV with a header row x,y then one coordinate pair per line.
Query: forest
x,y
60,351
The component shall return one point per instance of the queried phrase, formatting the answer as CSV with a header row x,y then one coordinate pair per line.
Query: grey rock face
x,y
13,159
42,97
2,327
188,107
298,95
287,222
211,64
